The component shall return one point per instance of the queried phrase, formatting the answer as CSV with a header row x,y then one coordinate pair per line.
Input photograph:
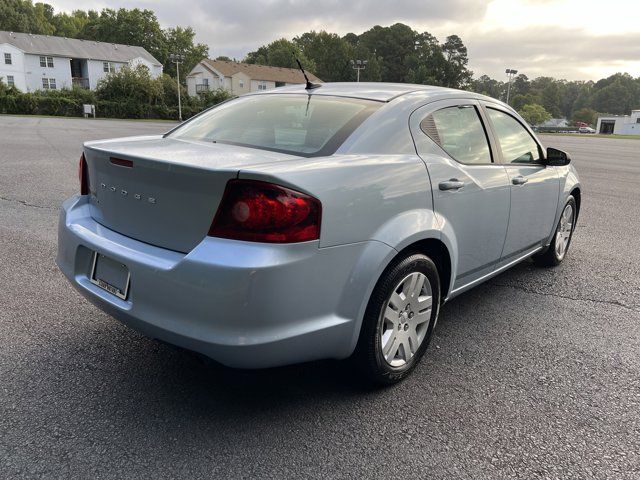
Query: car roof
x,y
382,92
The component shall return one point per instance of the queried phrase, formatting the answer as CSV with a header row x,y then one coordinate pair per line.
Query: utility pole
x,y
178,59
510,74
358,65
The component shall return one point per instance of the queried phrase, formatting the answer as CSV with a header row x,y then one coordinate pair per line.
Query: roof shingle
x,y
75,48
260,72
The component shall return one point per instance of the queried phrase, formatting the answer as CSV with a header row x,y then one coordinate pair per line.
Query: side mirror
x,y
557,158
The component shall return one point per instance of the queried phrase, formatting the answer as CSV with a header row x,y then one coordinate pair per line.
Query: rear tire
x,y
557,251
399,320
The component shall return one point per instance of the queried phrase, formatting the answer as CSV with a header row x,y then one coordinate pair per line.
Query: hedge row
x,y
34,104
130,93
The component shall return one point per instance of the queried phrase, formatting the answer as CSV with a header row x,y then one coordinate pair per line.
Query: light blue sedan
x,y
294,225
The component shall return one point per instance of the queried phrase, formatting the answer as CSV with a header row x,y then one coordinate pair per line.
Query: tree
x,y
586,115
280,53
24,16
131,84
617,94
548,90
391,46
521,85
427,64
456,73
534,114
330,53
181,40
127,27
488,86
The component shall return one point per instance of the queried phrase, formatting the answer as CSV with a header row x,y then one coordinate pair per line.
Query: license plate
x,y
110,275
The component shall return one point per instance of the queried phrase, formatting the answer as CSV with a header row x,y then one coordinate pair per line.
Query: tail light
x,y
263,212
83,176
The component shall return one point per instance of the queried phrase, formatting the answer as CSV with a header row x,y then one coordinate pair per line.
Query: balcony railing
x,y
80,82
202,87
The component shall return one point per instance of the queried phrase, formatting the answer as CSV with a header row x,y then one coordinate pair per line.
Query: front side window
x,y
10,80
7,59
516,143
241,83
262,86
459,132
108,67
43,61
52,83
50,62
45,83
305,125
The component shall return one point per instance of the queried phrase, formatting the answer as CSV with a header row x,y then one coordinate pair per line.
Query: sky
x,y
571,39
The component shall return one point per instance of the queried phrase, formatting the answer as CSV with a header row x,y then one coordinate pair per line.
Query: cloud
x,y
563,53
573,39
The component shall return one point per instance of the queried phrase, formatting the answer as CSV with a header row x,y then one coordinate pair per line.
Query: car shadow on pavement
x,y
148,376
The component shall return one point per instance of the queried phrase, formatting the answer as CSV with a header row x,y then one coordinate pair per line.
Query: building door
x,y
606,126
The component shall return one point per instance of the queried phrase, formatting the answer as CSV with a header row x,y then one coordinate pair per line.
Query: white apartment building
x,y
43,62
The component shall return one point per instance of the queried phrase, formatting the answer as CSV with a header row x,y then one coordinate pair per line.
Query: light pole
x,y
510,73
178,59
358,65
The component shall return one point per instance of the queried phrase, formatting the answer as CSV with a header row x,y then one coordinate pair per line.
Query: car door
x,y
470,190
534,186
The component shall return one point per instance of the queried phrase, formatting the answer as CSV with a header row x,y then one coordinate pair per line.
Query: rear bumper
x,y
247,305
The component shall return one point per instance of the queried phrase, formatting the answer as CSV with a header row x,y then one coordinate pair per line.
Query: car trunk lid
x,y
163,191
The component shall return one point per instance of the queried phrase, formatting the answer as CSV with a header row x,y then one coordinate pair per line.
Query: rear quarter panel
x,y
364,197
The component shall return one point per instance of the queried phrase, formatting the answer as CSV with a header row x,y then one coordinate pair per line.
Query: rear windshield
x,y
305,125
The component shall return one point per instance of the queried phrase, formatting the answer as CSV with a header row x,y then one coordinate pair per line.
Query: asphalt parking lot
x,y
535,374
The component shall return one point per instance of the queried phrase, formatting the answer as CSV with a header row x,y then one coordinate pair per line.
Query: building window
x,y
49,83
46,62
7,58
108,67
205,81
241,83
10,81
262,86
637,120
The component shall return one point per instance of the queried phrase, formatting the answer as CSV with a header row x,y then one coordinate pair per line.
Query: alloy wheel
x,y
404,320
565,228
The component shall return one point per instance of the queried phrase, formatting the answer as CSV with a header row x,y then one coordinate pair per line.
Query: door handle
x,y
452,184
519,180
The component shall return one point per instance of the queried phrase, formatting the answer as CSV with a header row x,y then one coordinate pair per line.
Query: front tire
x,y
399,320
557,251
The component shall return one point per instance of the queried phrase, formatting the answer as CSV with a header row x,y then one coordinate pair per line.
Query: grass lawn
x,y
594,135
154,120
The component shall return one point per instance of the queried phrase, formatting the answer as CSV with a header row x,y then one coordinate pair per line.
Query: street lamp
x,y
510,74
358,65
178,59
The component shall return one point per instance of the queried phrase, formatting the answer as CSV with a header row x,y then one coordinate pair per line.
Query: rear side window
x,y
516,143
305,125
459,132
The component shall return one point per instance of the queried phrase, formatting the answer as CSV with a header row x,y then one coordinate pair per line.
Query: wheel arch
x,y
438,252
578,198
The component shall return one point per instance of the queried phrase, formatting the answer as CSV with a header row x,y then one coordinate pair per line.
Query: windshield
x,y
306,125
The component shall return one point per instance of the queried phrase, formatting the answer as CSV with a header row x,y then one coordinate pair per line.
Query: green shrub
x,y
129,93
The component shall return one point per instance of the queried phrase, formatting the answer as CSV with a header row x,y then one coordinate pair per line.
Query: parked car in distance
x,y
586,130
331,223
